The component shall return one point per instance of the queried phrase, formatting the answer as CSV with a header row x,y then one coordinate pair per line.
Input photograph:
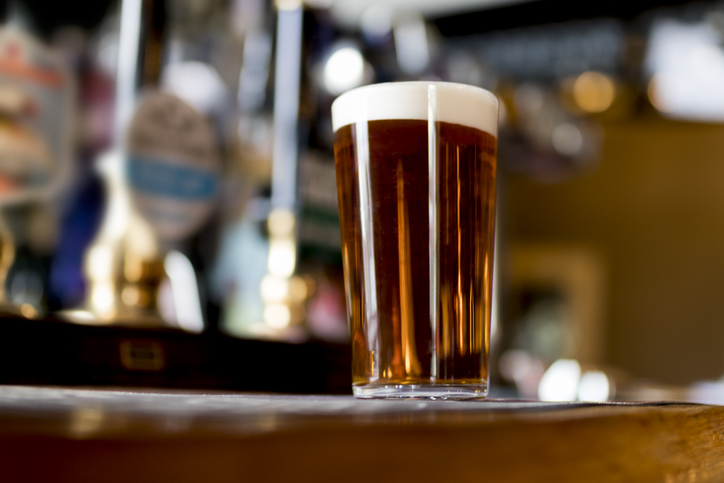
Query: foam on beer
x,y
455,104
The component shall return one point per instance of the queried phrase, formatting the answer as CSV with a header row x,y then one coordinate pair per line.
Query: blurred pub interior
x,y
190,238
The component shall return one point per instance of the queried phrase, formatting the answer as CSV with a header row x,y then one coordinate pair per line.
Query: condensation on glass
x,y
415,168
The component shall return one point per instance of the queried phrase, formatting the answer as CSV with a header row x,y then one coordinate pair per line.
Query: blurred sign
x,y
173,166
551,52
36,99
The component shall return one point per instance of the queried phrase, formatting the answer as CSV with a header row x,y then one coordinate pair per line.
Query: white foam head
x,y
454,103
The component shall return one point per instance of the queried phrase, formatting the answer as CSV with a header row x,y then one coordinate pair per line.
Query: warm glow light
x,y
132,268
274,289
130,295
102,299
282,257
100,262
86,421
344,70
29,311
594,91
277,316
297,288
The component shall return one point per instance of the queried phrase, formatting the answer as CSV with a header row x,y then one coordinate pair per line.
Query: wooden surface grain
x,y
67,435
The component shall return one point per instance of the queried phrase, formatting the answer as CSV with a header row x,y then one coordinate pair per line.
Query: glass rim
x,y
453,102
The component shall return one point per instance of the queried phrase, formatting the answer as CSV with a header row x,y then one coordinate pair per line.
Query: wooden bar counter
x,y
53,434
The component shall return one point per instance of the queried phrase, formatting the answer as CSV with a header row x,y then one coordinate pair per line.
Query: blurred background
x,y
168,212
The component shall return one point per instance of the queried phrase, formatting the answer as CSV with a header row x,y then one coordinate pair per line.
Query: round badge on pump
x,y
36,108
173,166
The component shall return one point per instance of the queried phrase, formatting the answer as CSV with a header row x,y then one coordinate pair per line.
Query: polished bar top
x,y
56,434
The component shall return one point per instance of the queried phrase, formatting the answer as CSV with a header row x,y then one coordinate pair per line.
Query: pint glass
x,y
415,165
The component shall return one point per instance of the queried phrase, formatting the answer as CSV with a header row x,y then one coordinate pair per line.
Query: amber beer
x,y
416,189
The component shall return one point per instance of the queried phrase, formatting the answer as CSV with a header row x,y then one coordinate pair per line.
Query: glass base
x,y
417,391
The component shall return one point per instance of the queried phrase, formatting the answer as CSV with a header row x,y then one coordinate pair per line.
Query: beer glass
x,y
415,164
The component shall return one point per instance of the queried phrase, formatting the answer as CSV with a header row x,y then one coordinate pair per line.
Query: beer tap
x,y
282,292
36,119
162,178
